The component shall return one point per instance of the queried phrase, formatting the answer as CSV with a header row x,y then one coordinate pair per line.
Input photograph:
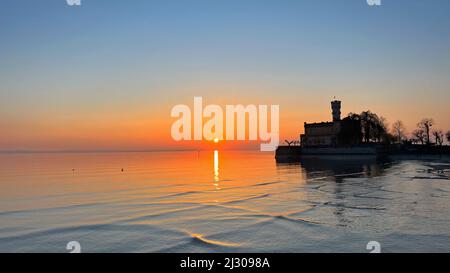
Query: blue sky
x,y
113,55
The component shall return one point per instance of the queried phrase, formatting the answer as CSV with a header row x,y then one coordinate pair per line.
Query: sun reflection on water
x,y
216,170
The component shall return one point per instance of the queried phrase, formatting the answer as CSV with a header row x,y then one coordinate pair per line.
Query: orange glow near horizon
x,y
142,128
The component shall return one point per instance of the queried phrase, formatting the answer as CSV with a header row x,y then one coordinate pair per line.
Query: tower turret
x,y
336,108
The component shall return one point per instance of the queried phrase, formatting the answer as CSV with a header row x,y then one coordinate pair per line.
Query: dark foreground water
x,y
221,202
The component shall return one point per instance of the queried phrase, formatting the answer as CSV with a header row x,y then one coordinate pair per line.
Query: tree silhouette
x,y
419,136
398,130
425,125
293,142
350,132
438,137
448,136
373,127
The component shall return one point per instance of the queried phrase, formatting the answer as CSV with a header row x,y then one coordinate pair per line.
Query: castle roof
x,y
319,124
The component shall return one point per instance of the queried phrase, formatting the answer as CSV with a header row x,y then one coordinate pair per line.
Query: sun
x,y
216,140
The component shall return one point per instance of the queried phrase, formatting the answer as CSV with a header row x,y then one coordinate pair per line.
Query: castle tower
x,y
336,108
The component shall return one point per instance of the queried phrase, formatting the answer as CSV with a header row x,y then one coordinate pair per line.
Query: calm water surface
x,y
220,201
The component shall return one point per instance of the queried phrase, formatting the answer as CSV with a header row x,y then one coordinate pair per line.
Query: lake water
x,y
221,201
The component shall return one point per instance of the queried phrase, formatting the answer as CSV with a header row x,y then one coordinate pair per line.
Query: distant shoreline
x,y
295,153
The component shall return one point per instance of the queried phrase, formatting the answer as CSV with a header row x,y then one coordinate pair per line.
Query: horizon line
x,y
117,151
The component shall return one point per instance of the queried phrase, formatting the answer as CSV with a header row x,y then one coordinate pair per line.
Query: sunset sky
x,y
105,75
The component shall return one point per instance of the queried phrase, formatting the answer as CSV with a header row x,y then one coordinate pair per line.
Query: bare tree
x,y
425,125
439,137
419,136
292,142
448,136
372,126
289,143
398,130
